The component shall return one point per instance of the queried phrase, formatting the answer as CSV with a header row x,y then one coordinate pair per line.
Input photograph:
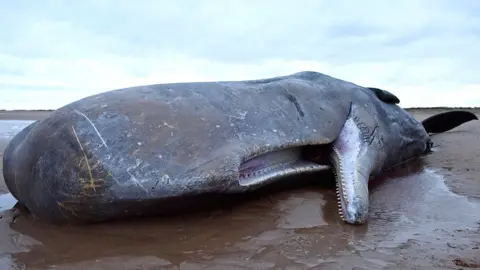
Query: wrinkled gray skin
x,y
113,154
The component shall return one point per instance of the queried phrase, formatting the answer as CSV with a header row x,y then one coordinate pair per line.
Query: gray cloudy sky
x,y
54,52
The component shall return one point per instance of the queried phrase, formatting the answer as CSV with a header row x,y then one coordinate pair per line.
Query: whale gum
x,y
424,214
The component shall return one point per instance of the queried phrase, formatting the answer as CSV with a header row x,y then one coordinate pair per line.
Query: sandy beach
x,y
424,215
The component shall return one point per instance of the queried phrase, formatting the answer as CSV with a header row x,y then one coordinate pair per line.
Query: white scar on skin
x,y
93,125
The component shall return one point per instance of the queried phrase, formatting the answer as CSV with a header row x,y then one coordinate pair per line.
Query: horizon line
x,y
406,108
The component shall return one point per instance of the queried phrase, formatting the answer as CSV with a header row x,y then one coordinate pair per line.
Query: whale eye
x,y
428,146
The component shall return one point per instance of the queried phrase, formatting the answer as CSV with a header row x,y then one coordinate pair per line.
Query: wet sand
x,y
424,215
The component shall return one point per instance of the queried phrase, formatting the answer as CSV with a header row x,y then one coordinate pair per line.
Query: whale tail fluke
x,y
446,121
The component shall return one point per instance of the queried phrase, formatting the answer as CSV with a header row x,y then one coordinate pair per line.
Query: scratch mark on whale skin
x,y
135,181
91,183
93,125
63,207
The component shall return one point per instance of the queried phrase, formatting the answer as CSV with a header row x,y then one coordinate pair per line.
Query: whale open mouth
x,y
273,165
347,157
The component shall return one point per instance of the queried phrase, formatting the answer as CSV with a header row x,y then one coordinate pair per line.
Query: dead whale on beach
x,y
122,153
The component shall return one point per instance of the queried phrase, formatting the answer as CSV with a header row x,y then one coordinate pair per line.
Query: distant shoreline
x,y
13,111
440,108
406,108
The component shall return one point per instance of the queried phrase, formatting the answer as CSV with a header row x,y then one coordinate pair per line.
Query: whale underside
x,y
125,152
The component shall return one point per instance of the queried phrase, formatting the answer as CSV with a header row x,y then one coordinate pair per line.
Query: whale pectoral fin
x,y
448,120
384,95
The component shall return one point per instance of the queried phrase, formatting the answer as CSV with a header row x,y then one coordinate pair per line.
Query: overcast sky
x,y
54,52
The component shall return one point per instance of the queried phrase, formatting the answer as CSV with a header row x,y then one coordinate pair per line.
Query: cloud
x,y
54,52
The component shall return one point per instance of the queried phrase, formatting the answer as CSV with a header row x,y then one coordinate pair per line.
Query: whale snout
x,y
356,212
